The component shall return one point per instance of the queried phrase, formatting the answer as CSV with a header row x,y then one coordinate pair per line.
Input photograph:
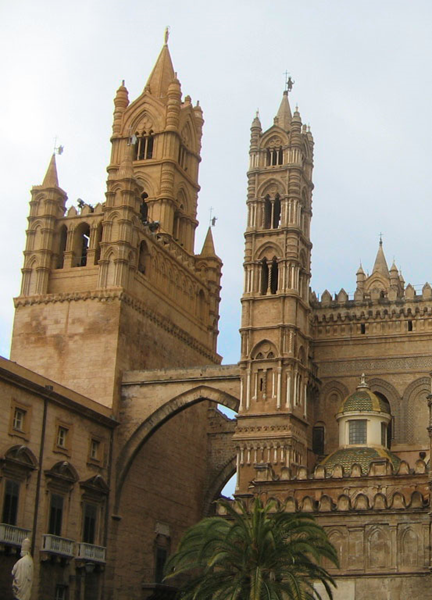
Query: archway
x,y
153,422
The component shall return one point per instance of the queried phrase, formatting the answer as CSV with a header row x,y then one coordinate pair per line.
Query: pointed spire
x,y
256,123
380,265
360,270
208,248
162,74
51,179
284,115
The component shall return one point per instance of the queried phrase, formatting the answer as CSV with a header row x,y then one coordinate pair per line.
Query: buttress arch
x,y
154,421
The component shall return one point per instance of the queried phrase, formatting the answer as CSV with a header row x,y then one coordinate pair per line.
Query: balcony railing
x,y
57,545
14,536
90,552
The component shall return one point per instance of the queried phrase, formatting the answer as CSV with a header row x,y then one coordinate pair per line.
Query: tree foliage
x,y
261,554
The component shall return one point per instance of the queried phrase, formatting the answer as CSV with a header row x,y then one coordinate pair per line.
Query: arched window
x,y
318,440
144,145
99,234
264,276
267,212
274,276
183,157
143,258
272,212
276,212
81,244
386,430
62,246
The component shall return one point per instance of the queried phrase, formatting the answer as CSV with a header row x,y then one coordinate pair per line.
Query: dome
x,y
364,400
347,457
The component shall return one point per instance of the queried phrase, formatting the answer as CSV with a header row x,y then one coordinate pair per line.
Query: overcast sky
x,y
362,73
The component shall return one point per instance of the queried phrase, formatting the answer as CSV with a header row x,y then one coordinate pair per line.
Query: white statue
x,y
22,573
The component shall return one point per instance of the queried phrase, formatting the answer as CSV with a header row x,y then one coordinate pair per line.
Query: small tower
x,y
276,369
117,285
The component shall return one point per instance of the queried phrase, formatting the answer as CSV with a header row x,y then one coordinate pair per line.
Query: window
x,y
410,325
362,328
61,592
89,524
95,449
62,437
161,557
56,515
383,434
18,419
144,146
358,431
318,440
10,504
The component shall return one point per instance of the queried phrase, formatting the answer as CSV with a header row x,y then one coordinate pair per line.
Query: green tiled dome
x,y
347,457
364,400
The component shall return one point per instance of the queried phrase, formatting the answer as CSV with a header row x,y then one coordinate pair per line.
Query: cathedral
x,y
112,442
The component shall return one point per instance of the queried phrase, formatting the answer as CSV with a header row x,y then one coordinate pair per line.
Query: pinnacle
x,y
208,248
51,179
284,115
162,74
380,265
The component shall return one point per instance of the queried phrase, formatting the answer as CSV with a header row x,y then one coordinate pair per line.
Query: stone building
x,y
113,443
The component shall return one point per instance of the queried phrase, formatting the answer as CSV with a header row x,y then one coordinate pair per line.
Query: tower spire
x,y
163,72
51,179
380,265
284,116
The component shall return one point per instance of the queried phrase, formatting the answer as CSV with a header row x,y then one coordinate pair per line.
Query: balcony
x,y
57,545
11,535
90,552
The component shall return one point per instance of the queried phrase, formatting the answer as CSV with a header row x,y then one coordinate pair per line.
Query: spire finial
x,y
380,239
166,36
362,383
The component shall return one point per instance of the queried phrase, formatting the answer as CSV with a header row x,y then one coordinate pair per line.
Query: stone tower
x,y
277,373
117,286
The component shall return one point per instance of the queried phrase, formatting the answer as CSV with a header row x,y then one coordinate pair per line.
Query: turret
x,y
42,248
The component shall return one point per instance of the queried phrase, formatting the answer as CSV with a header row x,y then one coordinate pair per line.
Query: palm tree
x,y
262,554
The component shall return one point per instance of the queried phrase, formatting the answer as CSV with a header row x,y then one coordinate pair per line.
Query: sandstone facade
x,y
113,444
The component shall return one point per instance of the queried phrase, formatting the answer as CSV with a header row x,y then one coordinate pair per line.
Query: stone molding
x,y
367,365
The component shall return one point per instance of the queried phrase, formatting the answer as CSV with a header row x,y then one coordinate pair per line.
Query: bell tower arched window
x,y
274,276
144,145
264,276
272,212
274,156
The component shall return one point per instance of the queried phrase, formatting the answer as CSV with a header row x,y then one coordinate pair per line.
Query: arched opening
x,y
264,276
274,276
386,431
267,212
62,246
99,235
81,244
143,258
144,146
276,212
167,458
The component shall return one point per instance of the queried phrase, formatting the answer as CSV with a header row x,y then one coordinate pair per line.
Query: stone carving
x,y
412,363
22,573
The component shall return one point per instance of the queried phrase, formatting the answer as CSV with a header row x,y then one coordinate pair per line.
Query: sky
x,y
362,73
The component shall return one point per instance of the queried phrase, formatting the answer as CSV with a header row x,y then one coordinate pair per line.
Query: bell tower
x,y
276,369
117,286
